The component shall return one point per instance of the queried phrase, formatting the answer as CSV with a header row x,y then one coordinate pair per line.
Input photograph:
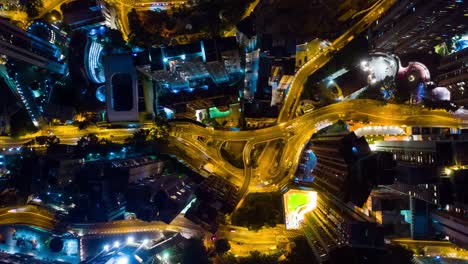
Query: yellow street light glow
x,y
448,171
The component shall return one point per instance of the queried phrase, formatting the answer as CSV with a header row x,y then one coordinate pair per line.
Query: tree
x,y
88,140
52,141
113,41
56,244
222,246
139,140
32,8
194,252
159,132
398,254
54,15
134,21
22,169
255,257
259,209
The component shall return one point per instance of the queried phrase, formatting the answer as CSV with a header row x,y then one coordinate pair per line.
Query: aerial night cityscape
x,y
233,131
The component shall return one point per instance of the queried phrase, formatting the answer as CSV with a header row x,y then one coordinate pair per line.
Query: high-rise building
x,y
423,166
335,230
454,76
412,26
346,167
453,225
18,44
121,88
433,173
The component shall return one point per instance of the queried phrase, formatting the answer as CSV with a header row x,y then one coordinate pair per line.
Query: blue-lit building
x,y
21,45
190,77
192,66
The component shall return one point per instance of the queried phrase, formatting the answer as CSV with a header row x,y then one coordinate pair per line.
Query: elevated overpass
x,y
325,55
14,15
295,133
43,219
197,146
31,216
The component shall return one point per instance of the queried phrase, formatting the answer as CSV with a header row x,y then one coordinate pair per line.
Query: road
x,y
432,248
49,5
324,56
247,13
36,217
179,224
243,241
70,135
198,146
14,15
298,131
123,8
30,216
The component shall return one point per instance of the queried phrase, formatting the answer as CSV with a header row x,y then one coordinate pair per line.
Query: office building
x,y
335,231
390,209
417,26
137,169
346,167
423,166
432,172
420,221
452,225
454,76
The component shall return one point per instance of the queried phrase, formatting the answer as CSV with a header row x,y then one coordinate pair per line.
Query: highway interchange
x,y
198,146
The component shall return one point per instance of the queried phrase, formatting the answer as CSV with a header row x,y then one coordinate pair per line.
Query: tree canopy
x,y
33,7
258,210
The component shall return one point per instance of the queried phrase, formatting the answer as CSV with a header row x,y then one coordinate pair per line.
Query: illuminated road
x,y
242,240
247,13
30,216
179,224
123,8
70,134
187,136
50,5
36,217
198,146
296,134
431,247
122,12
295,90
14,15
